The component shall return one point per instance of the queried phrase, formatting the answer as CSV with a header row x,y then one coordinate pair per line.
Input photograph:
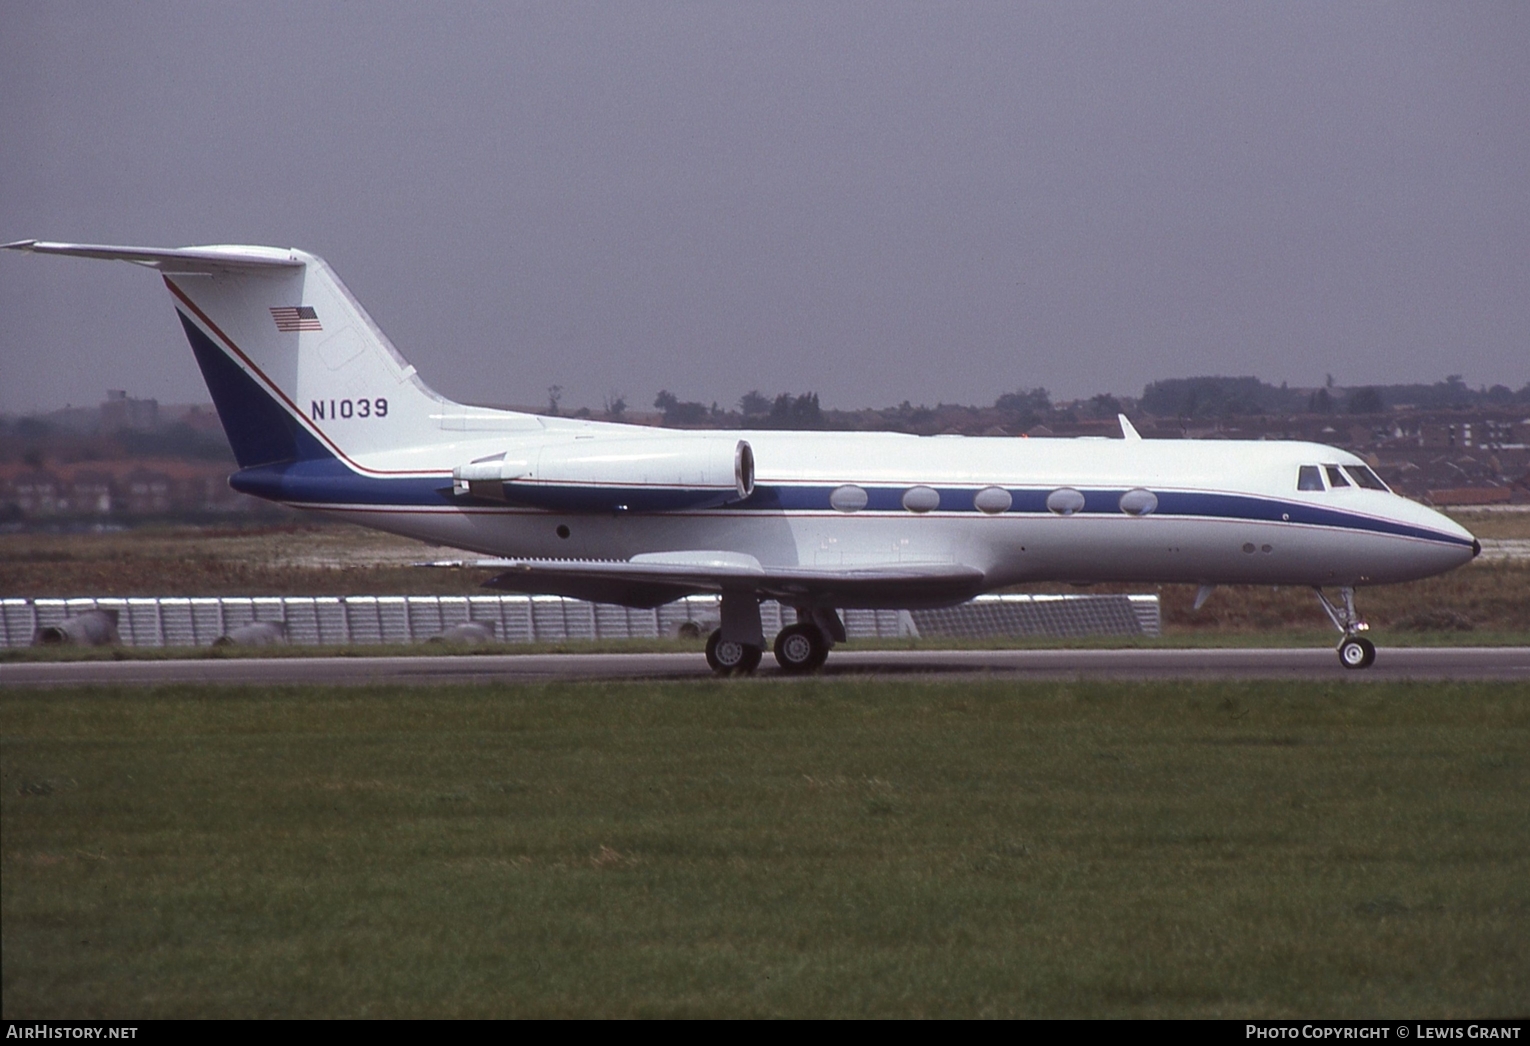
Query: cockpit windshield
x,y
1310,477
1364,477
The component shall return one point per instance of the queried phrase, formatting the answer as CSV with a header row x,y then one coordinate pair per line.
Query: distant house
x,y
35,492
1463,496
146,492
122,487
90,491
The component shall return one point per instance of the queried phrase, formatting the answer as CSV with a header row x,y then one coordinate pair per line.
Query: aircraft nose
x,y
1460,546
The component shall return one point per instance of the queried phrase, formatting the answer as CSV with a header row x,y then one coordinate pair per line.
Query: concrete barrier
x,y
159,621
256,633
86,628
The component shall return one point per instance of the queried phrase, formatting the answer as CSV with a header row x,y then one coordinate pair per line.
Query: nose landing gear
x,y
1355,651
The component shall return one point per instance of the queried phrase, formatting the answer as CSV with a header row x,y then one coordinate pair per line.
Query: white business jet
x,y
324,414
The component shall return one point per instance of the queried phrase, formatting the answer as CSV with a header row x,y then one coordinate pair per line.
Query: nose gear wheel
x,y
1357,652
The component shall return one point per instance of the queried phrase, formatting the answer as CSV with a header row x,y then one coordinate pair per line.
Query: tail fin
x,y
295,366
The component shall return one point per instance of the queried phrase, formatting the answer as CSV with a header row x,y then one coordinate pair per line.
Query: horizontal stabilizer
x,y
648,581
172,260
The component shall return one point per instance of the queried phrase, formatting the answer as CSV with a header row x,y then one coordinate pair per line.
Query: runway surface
x,y
1467,663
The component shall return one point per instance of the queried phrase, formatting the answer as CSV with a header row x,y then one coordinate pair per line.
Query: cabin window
x,y
1065,501
1335,477
1364,477
992,500
921,499
1308,478
849,498
1138,502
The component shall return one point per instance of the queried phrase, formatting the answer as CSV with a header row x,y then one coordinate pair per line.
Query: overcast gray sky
x,y
876,201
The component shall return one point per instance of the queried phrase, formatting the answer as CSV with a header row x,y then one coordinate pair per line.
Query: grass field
x,y
886,848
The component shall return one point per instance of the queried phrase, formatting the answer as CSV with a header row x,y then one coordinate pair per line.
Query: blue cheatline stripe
x,y
329,482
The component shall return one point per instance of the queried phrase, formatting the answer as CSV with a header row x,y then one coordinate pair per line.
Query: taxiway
x,y
1434,663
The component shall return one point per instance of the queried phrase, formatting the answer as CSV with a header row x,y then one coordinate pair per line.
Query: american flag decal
x,y
290,318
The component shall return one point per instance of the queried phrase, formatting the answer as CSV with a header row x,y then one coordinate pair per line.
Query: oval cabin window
x,y
992,500
1065,501
1139,502
848,498
921,499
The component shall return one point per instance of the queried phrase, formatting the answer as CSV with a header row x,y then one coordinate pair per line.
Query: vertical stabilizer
x,y
295,366
297,335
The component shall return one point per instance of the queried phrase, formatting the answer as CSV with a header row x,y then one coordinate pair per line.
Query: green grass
x,y
753,848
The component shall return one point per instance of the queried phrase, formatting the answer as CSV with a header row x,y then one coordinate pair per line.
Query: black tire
x,y
1357,652
732,658
801,648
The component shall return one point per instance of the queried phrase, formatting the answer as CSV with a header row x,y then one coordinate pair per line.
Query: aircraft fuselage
x,y
1223,512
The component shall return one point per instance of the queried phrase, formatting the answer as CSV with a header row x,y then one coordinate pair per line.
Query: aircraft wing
x,y
648,581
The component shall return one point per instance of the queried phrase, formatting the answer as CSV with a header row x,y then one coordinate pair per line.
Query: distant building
x,y
1462,496
120,412
36,492
122,487
90,492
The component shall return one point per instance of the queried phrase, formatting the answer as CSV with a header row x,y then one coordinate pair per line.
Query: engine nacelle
x,y
657,474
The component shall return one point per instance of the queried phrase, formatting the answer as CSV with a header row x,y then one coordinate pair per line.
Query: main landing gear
x,y
729,657
1355,651
805,646
799,648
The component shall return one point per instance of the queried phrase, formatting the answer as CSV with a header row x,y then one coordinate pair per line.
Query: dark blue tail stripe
x,y
260,430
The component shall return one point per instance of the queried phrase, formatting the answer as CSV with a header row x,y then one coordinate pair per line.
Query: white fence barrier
x,y
368,620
